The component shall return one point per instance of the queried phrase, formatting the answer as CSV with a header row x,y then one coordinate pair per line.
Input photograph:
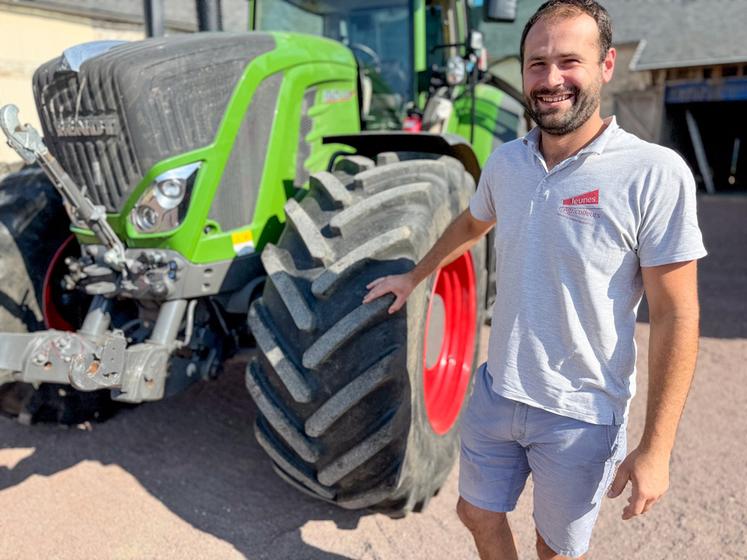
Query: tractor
x,y
196,196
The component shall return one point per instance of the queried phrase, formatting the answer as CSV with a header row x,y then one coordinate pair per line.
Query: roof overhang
x,y
637,64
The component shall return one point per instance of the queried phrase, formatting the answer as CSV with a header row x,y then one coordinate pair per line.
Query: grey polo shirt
x,y
570,244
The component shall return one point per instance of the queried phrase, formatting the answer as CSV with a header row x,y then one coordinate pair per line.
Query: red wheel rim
x,y
447,376
53,319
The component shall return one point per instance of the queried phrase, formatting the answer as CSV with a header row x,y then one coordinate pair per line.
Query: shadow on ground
x,y
721,275
195,453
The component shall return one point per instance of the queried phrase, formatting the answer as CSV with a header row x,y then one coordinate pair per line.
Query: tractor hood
x,y
110,111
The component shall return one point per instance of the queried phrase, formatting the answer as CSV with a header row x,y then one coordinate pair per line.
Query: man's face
x,y
562,73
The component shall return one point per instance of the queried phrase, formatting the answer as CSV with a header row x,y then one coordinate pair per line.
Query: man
x,y
587,216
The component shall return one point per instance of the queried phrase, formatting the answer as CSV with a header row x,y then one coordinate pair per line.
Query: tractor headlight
x,y
456,71
164,203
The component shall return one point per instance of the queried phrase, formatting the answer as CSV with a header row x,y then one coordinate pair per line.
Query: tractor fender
x,y
369,144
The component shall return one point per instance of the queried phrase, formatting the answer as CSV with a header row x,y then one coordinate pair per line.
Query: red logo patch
x,y
591,197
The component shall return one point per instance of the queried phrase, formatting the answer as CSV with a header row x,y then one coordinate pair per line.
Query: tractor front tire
x,y
34,232
352,406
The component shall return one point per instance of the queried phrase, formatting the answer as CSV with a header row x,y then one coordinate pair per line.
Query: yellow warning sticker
x,y
243,242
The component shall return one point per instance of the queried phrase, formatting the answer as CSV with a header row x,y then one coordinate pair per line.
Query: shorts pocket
x,y
615,435
611,437
618,446
606,482
478,389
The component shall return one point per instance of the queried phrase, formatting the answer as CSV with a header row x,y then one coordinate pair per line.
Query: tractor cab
x,y
406,49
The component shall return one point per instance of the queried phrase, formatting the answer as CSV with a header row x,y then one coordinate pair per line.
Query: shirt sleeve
x,y
669,229
481,205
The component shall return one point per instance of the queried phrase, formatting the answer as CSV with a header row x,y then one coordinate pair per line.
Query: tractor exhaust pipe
x,y
209,15
154,21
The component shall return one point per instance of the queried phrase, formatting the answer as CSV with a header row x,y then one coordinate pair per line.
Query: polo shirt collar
x,y
596,147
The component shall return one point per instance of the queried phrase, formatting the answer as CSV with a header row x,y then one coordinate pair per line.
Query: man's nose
x,y
554,76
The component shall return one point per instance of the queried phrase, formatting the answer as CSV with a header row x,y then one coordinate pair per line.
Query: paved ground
x,y
184,478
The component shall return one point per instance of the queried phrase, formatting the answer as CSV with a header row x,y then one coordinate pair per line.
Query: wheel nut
x,y
62,342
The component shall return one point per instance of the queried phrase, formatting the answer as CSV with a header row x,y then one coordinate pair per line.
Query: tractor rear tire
x,y
344,409
33,227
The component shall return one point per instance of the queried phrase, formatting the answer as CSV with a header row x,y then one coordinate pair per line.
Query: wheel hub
x,y
451,325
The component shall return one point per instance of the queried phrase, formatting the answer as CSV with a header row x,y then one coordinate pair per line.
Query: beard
x,y
560,122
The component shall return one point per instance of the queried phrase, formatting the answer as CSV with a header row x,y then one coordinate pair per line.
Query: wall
x,y
624,79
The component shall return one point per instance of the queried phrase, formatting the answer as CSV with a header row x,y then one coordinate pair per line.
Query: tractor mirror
x,y
500,10
476,41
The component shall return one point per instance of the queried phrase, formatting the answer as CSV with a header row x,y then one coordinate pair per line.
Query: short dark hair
x,y
569,8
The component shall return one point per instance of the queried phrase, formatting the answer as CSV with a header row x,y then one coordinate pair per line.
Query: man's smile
x,y
554,100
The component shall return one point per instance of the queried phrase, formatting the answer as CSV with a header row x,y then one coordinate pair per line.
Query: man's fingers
x,y
376,292
398,303
635,509
636,505
648,506
618,485
397,285
370,296
376,282
382,290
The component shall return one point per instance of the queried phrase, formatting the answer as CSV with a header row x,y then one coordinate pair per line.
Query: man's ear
x,y
608,65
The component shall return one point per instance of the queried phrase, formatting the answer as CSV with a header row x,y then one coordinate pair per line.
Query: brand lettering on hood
x,y
101,125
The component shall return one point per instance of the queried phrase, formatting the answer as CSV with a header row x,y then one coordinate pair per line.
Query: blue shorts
x,y
572,464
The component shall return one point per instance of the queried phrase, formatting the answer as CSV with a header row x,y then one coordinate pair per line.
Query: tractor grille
x,y
138,104
85,131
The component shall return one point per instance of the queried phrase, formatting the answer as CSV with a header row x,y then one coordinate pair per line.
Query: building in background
x,y
682,81
680,78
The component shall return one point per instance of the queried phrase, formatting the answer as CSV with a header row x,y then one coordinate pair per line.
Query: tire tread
x,y
277,416
347,397
296,384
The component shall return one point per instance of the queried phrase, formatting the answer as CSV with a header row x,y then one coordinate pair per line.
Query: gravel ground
x,y
184,478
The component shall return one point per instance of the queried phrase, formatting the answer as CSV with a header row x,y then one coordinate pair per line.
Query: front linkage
x,y
97,357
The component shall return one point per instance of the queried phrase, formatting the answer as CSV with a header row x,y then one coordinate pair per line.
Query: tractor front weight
x,y
96,358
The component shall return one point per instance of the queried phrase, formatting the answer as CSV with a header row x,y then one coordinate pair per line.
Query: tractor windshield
x,y
378,32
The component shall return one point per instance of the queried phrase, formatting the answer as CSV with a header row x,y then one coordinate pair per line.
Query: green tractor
x,y
218,192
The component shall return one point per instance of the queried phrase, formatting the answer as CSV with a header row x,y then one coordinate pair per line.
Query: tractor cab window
x,y
379,35
278,15
440,29
442,38
434,35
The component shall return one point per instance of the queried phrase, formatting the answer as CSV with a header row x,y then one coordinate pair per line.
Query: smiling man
x,y
587,217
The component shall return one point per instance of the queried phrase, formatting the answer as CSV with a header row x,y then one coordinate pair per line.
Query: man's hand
x,y
400,285
648,471
458,238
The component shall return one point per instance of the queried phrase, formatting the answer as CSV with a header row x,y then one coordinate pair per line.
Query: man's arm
x,y
672,296
459,237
